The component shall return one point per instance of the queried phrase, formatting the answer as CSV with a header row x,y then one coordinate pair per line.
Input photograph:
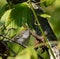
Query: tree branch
x,y
10,40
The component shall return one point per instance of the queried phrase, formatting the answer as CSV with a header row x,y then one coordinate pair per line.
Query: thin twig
x,y
4,36
9,40
39,38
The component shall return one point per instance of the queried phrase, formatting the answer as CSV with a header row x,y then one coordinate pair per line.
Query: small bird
x,y
24,36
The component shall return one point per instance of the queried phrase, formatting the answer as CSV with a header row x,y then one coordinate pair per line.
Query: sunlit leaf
x,y
2,3
5,18
17,17
28,53
3,9
45,16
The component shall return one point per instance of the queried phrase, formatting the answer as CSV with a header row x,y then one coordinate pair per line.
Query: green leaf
x,y
55,22
6,18
2,3
28,53
44,55
21,14
17,17
14,48
9,23
3,9
45,15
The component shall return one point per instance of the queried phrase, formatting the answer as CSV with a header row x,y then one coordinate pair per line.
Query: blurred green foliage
x,y
55,22
54,11
2,3
16,18
30,53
